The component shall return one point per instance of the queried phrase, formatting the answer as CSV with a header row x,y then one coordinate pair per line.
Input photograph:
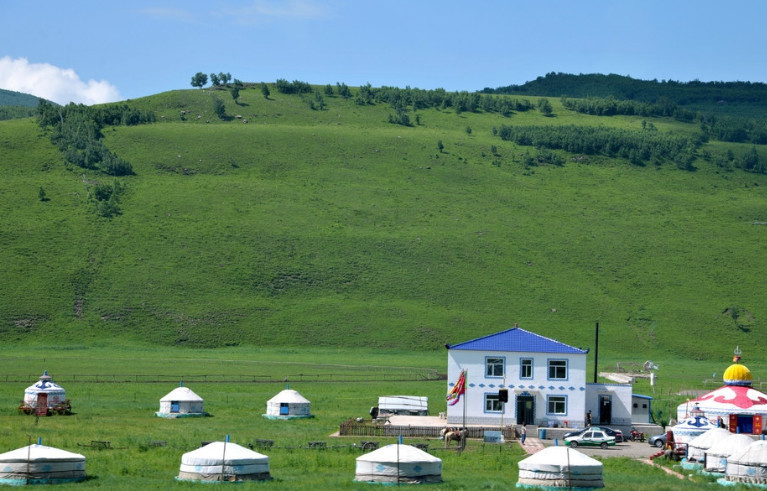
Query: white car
x,y
593,438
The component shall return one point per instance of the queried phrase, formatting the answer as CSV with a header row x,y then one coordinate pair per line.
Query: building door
x,y
605,410
525,409
174,406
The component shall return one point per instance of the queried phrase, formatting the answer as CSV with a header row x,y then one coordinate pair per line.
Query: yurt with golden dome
x,y
45,397
736,405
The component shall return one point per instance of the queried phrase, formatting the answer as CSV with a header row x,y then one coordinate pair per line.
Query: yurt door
x,y
174,406
42,403
284,408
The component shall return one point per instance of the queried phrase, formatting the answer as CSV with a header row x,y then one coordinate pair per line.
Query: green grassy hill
x,y
335,227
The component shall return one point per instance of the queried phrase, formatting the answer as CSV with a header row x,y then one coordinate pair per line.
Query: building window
x,y
556,405
526,368
636,405
557,369
494,367
493,403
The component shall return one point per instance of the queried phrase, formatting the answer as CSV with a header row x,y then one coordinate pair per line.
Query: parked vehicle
x,y
594,437
617,434
636,435
657,440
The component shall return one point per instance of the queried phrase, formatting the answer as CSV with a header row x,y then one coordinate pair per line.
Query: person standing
x,y
523,433
588,418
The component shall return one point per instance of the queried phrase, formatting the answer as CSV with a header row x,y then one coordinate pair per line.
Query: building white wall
x,y
620,397
640,413
478,384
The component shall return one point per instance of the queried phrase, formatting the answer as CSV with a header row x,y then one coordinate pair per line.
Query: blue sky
x,y
99,51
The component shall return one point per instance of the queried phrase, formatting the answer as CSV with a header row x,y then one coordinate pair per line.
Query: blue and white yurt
x,y
717,455
687,430
46,390
181,402
748,466
38,464
288,404
397,463
560,467
224,461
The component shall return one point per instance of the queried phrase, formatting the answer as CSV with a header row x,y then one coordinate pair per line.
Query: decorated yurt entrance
x,y
45,397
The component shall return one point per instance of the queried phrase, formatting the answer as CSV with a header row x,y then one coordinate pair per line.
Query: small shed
x,y
560,467
181,402
39,464
400,464
288,404
224,461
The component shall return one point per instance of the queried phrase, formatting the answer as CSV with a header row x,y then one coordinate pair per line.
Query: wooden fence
x,y
353,428
415,375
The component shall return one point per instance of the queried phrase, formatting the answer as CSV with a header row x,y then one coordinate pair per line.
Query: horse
x,y
450,434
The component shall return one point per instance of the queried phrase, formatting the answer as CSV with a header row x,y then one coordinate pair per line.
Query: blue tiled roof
x,y
517,339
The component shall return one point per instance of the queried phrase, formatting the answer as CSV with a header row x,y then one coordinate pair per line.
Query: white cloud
x,y
61,85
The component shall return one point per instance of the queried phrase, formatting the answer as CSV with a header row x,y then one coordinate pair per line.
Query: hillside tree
x,y
199,80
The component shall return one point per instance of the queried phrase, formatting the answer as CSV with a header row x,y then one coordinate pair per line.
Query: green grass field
x,y
123,414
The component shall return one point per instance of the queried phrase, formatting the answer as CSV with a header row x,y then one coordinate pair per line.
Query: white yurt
x,y
397,463
697,447
38,464
560,467
288,404
46,390
181,402
691,428
749,465
717,455
224,461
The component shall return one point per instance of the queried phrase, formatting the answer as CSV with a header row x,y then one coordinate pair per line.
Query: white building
x,y
544,379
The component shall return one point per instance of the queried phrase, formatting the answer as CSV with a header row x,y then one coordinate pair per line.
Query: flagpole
x,y
465,396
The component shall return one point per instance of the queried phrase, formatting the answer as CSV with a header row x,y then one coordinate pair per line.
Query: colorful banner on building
x,y
454,394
